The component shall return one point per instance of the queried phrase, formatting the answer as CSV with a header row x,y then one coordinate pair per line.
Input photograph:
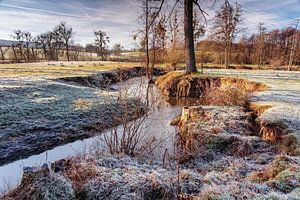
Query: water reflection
x,y
156,125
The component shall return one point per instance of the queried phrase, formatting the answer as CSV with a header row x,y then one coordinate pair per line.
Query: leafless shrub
x,y
130,134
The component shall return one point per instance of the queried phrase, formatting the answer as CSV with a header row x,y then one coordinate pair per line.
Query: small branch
x,y
157,13
201,10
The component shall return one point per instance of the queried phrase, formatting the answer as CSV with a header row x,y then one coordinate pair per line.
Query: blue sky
x,y
119,17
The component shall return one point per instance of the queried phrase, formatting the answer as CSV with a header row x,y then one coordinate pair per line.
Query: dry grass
x,y
59,69
243,84
82,104
226,97
221,91
80,172
273,170
259,109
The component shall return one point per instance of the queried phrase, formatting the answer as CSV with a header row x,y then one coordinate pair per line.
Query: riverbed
x,y
160,115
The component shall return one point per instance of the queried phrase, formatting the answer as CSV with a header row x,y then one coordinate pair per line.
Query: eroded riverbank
x,y
37,115
234,154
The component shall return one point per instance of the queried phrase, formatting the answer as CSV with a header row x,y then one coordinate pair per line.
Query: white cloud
x,y
119,17
117,20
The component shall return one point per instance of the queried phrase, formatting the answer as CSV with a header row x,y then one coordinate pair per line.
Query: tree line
x,y
172,31
56,44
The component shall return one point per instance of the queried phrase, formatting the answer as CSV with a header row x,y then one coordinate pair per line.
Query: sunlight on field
x,y
59,69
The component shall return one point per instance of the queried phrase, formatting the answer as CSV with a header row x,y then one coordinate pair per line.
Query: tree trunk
x,y
147,39
294,45
28,53
67,46
51,54
45,53
21,53
33,54
154,57
226,58
189,37
15,54
2,54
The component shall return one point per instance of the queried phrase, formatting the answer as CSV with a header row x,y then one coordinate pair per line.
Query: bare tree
x,y
148,19
117,49
198,27
261,44
294,45
18,35
41,42
225,26
2,53
101,42
66,34
28,39
188,29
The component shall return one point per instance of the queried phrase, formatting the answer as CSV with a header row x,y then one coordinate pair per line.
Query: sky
x,y
119,17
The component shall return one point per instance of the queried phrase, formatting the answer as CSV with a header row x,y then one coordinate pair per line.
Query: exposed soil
x,y
177,84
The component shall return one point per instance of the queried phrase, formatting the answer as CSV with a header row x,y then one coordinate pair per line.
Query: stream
x,y
157,125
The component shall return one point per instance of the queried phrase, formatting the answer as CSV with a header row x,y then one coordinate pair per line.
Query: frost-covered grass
x,y
37,113
44,104
234,162
283,96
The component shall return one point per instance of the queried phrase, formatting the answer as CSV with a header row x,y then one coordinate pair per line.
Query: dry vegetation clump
x,y
230,145
219,129
42,183
79,171
232,91
82,104
214,90
107,177
226,97
259,109
282,174
279,134
243,84
271,171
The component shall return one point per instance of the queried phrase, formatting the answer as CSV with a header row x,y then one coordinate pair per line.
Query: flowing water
x,y
157,125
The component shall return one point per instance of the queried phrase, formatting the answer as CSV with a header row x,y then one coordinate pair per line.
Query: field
x,y
58,69
39,107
